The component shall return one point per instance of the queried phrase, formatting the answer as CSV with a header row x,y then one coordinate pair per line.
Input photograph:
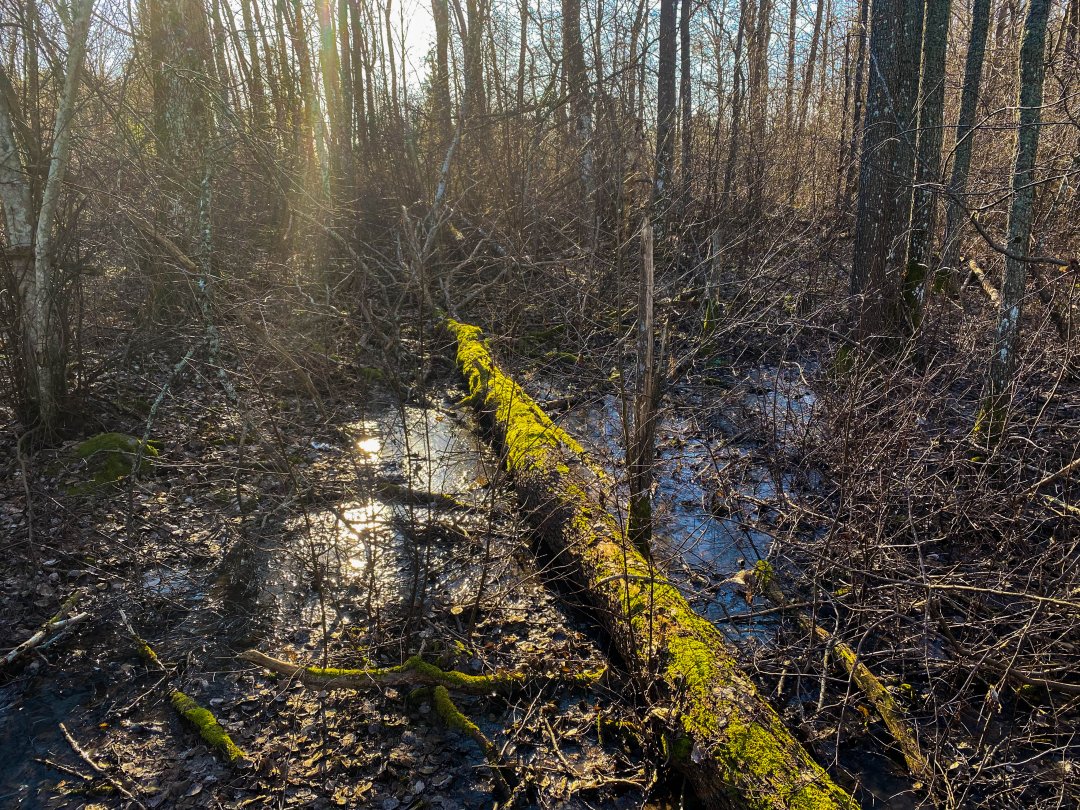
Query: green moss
x,y
110,457
764,574
208,727
531,439
455,719
452,715
147,654
476,684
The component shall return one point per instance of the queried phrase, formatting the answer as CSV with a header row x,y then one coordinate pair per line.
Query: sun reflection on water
x,y
369,445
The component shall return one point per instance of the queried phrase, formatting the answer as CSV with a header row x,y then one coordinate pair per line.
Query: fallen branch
x,y
208,727
1068,468
203,720
880,698
455,719
59,623
731,744
97,768
417,672
414,672
988,288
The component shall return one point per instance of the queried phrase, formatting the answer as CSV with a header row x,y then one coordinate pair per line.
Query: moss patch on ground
x,y
110,457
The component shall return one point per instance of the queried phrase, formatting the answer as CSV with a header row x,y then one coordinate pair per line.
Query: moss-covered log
x,y
732,745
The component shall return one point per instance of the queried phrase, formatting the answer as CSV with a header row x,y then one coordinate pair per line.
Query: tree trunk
x,y
857,103
29,228
46,321
886,166
440,88
580,110
757,53
729,742
955,215
789,78
1032,72
928,163
686,103
665,104
737,94
258,86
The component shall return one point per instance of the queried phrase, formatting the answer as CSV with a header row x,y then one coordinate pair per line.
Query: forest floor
x,y
354,528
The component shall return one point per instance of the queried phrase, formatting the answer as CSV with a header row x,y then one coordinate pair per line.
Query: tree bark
x,y
886,165
729,742
928,162
955,216
1032,72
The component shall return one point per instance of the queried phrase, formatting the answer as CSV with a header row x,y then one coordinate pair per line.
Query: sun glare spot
x,y
369,445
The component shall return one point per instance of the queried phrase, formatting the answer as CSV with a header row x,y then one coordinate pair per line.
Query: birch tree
x,y
30,232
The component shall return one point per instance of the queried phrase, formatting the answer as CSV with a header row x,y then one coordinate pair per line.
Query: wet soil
x,y
355,532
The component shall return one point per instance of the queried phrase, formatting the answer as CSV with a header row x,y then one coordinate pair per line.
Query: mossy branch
x,y
208,727
505,778
413,672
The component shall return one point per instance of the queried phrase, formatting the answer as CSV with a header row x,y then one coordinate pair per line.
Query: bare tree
x,y
30,230
1032,73
965,136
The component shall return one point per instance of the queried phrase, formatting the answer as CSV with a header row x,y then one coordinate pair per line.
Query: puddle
x,y
700,545
30,717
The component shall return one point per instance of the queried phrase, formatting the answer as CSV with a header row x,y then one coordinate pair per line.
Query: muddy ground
x,y
355,530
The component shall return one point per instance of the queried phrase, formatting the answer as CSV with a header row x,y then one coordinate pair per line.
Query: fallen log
x,y
730,743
